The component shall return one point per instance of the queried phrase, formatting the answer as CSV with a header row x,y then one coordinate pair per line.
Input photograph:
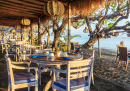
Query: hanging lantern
x,y
116,34
52,34
18,27
85,30
110,36
12,31
128,34
25,21
54,8
63,33
101,35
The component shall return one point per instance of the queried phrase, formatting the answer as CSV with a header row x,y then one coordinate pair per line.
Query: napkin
x,y
72,53
36,56
66,58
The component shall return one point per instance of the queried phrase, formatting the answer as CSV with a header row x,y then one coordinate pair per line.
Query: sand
x,y
106,67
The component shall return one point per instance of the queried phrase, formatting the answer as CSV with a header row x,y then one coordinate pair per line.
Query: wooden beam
x,y
20,9
36,2
5,3
39,32
4,13
17,11
69,25
24,3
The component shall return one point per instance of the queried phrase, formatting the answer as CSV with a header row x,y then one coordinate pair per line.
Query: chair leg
x,y
126,65
36,88
92,79
116,58
8,86
119,63
28,88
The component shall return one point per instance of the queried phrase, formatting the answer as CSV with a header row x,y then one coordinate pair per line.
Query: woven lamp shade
x,y
25,21
12,31
54,8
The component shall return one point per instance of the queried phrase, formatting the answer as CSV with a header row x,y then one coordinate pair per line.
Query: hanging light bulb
x,y
52,34
63,33
85,30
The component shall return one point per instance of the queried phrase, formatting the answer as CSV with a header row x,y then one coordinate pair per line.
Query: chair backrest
x,y
9,69
39,51
87,52
72,46
123,53
76,43
78,69
118,48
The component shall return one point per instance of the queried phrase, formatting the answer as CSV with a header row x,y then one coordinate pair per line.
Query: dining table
x,y
55,61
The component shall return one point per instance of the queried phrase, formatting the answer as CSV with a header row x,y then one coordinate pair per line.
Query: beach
x,y
106,74
106,67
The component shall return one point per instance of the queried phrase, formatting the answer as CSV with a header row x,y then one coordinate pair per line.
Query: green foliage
x,y
110,24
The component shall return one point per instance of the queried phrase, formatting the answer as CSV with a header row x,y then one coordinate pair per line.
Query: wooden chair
x,y
123,56
23,52
117,56
20,80
75,73
88,54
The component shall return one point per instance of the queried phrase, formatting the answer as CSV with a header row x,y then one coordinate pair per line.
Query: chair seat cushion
x,y
12,53
24,77
74,84
46,67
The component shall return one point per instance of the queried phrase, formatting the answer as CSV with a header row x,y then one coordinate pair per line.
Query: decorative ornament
x,y
128,34
101,35
52,34
54,8
25,21
12,31
85,30
63,33
116,34
18,27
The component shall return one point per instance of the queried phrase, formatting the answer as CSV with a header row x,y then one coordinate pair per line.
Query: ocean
x,y
109,43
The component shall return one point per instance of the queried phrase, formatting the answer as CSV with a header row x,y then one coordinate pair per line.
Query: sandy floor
x,y
106,67
107,76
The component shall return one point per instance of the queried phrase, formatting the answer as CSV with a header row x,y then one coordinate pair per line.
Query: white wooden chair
x,y
23,79
14,53
88,54
43,68
23,52
75,76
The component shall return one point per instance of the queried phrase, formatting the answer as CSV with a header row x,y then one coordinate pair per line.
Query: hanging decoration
x,y
101,35
85,30
52,34
54,8
128,34
12,31
63,33
18,27
25,21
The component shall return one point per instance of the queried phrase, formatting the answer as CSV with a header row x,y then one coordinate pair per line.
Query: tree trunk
x,y
90,43
48,38
56,38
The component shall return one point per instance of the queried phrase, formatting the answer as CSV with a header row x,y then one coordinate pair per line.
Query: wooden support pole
x,y
69,25
99,49
21,32
39,32
31,34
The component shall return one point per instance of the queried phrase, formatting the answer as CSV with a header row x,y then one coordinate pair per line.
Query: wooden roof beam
x,y
5,3
24,3
19,11
17,8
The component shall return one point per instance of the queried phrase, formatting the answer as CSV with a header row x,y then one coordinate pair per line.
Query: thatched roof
x,y
12,11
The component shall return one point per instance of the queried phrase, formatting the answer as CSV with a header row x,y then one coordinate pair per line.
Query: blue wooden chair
x,y
75,76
